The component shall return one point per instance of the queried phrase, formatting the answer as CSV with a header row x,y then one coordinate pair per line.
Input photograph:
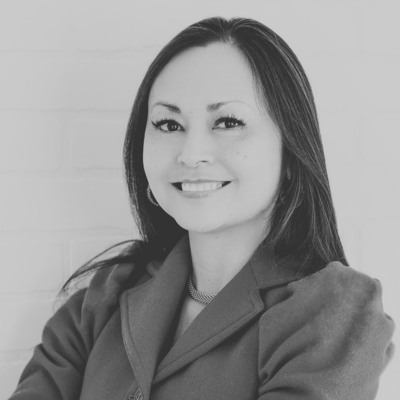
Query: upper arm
x,y
58,364
56,368
329,339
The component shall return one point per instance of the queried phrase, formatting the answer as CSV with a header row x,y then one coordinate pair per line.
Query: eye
x,y
230,122
171,125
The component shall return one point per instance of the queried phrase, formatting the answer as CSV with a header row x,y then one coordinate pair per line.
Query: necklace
x,y
203,298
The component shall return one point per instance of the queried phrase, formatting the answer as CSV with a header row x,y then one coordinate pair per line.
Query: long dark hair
x,y
303,221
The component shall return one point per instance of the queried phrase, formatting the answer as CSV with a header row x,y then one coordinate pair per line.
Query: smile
x,y
202,189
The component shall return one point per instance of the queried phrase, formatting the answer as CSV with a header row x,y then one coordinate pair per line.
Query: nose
x,y
197,147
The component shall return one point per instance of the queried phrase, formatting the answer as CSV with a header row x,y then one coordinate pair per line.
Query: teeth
x,y
200,187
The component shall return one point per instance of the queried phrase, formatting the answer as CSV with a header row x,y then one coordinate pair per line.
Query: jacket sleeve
x,y
329,338
56,369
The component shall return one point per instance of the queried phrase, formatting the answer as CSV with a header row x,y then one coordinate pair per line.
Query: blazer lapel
x,y
234,306
147,312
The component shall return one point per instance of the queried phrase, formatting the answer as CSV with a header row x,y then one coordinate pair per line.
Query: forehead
x,y
202,75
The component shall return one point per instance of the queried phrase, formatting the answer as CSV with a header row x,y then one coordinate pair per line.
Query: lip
x,y
200,194
197,181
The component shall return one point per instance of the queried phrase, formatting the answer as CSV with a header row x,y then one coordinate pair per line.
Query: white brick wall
x,y
20,150
97,143
69,71
34,263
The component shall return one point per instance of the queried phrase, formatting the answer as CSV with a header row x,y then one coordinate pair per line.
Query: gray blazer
x,y
271,333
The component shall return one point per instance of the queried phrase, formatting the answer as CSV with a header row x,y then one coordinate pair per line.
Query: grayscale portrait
x,y
199,200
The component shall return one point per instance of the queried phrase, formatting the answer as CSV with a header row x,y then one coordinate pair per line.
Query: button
x,y
137,395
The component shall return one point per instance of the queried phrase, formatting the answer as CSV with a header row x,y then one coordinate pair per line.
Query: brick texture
x,y
97,143
31,143
380,138
39,266
19,314
38,25
55,84
69,72
62,204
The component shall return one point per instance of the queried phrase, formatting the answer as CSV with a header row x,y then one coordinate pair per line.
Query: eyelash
x,y
231,118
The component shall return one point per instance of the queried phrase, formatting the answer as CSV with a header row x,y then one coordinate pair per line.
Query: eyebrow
x,y
210,107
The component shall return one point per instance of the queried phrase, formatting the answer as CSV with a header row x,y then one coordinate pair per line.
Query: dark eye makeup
x,y
171,123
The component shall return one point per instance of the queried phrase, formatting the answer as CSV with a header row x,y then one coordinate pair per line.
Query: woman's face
x,y
204,124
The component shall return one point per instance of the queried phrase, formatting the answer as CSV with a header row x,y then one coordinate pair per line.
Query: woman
x,y
240,288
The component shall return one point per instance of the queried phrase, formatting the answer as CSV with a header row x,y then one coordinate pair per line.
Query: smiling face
x,y
204,123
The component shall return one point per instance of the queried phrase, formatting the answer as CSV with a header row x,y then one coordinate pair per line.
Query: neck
x,y
217,257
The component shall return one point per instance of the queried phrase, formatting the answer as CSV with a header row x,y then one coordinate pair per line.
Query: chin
x,y
199,225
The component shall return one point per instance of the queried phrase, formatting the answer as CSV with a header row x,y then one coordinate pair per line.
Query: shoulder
x,y
338,281
335,289
103,280
108,284
330,323
334,299
94,304
334,282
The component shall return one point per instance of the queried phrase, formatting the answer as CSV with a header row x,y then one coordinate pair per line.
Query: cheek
x,y
154,158
261,165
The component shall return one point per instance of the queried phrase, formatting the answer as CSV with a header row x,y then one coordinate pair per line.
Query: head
x,y
205,122
273,137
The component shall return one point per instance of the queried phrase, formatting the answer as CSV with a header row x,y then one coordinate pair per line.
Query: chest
x,y
190,310
208,373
